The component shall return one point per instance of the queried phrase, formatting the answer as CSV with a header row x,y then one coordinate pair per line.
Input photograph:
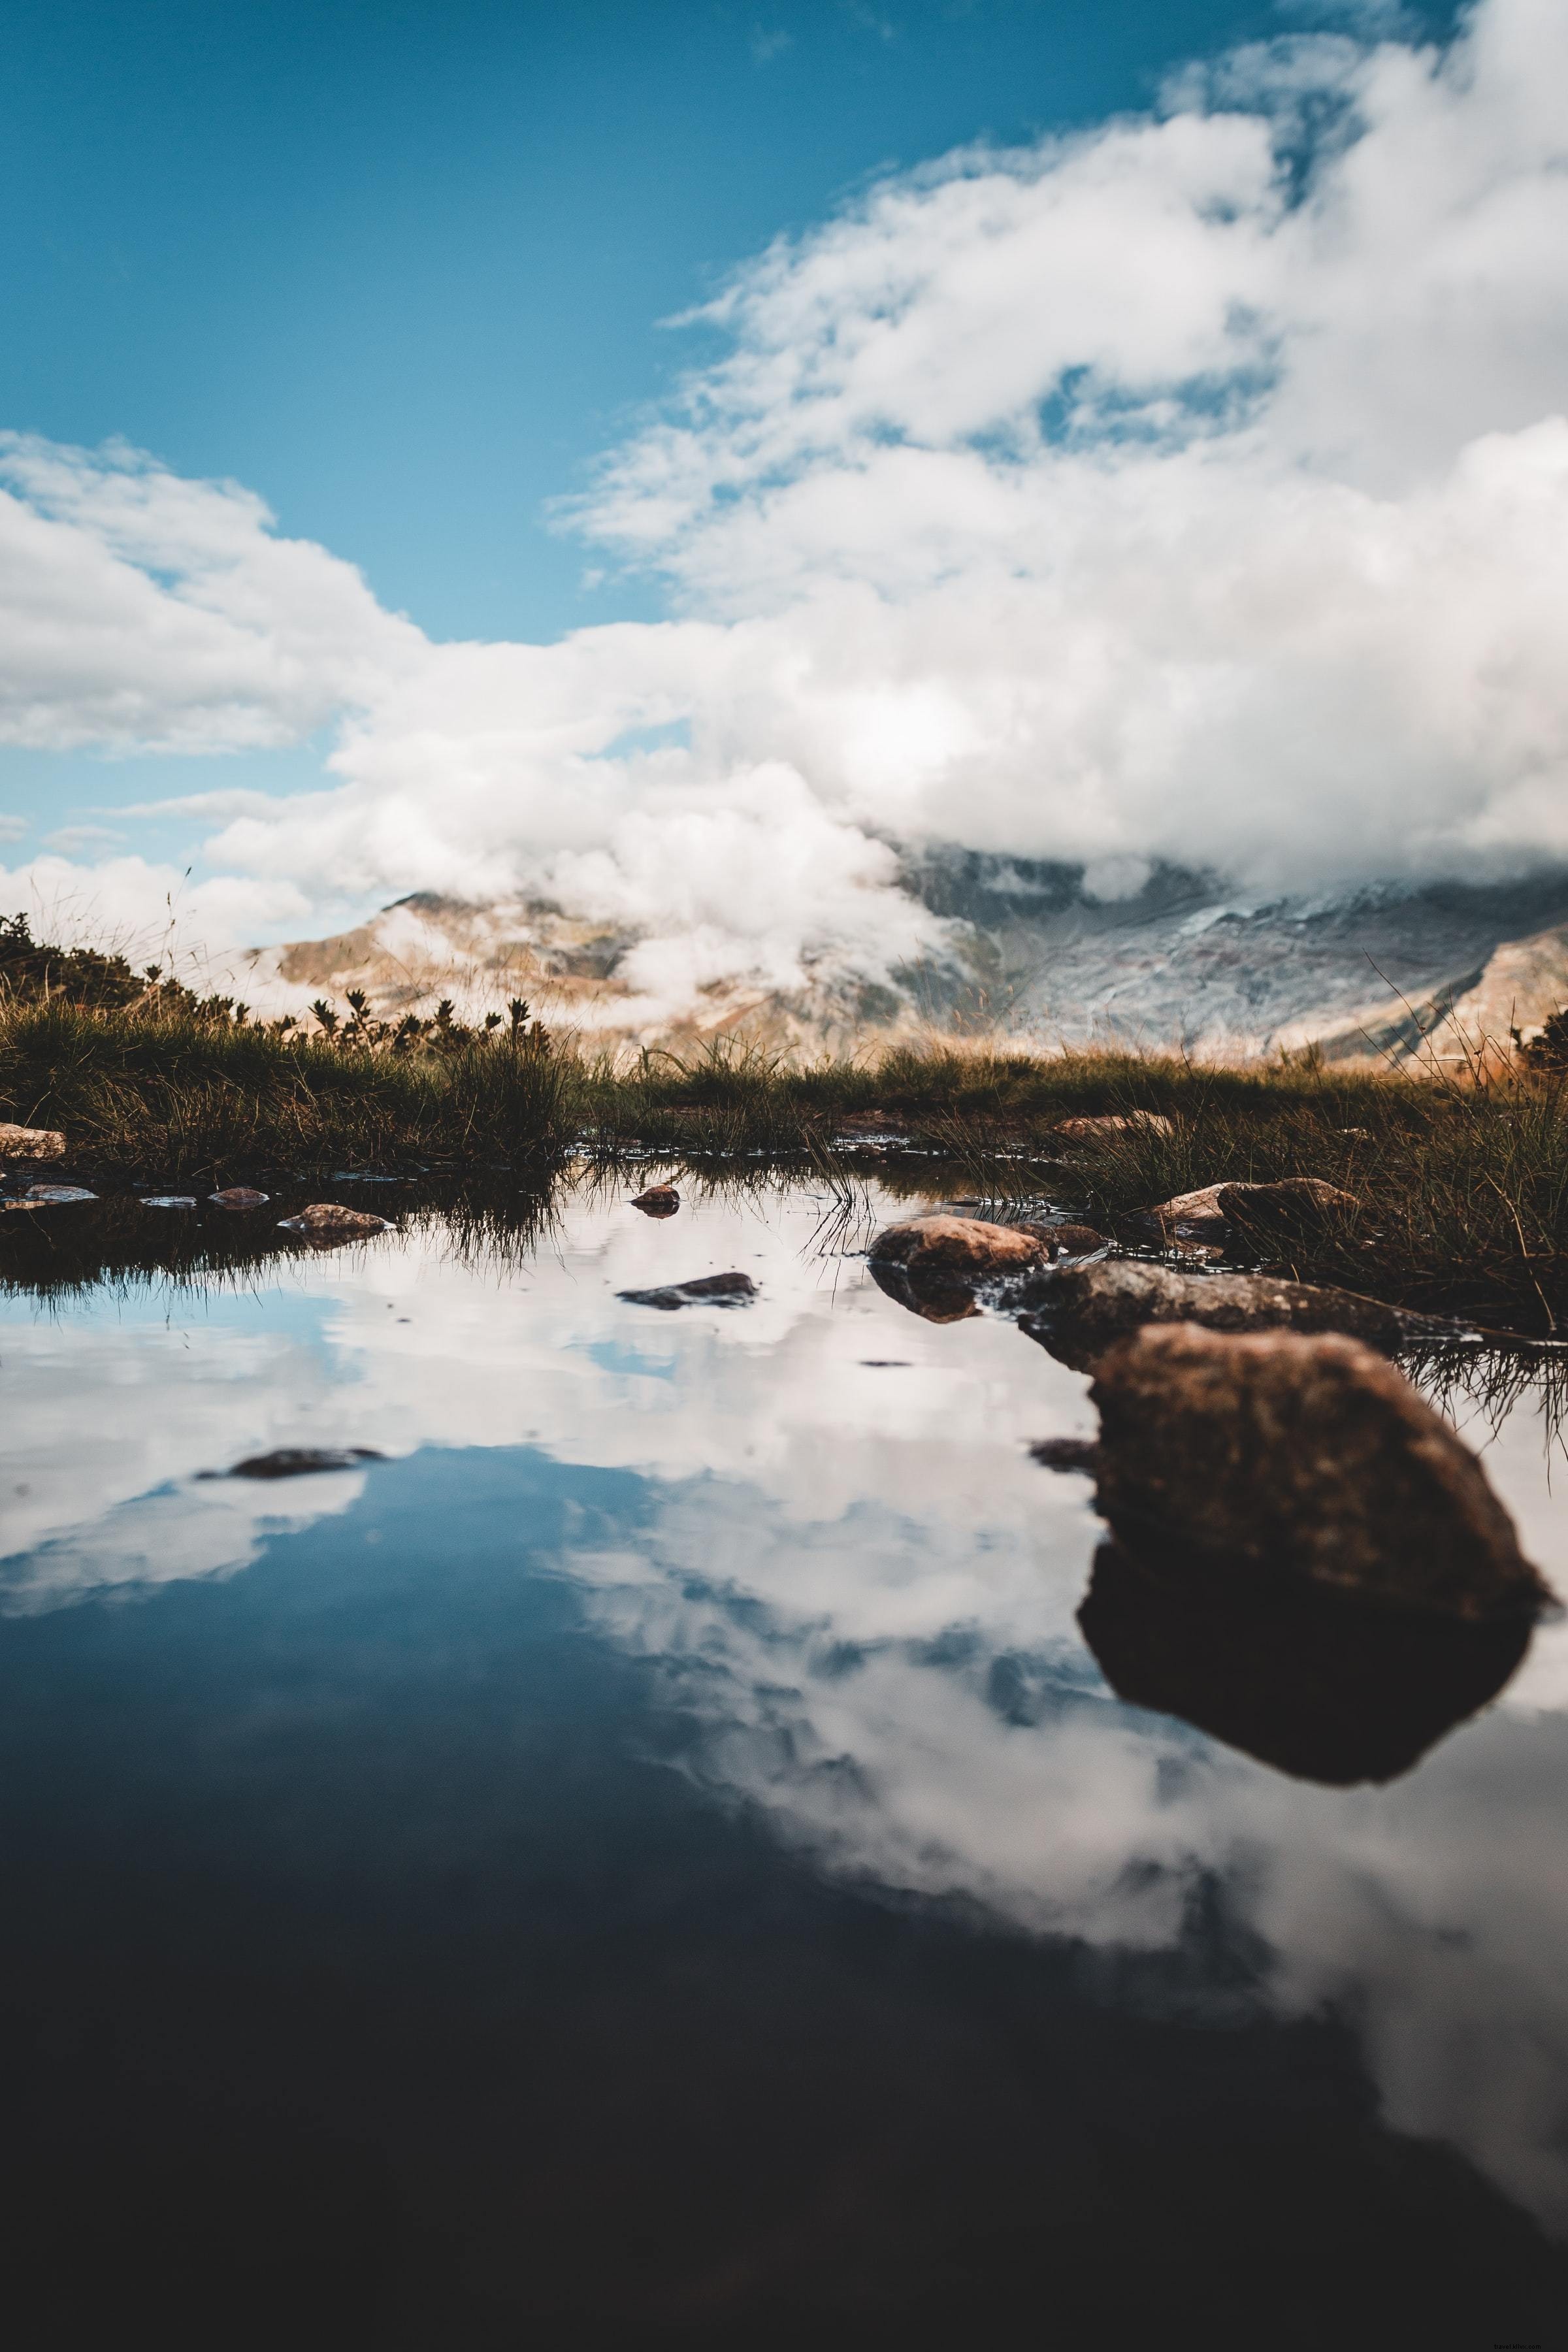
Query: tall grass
x,y
1462,1190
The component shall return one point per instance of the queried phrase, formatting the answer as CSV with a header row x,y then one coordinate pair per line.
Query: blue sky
x,y
399,270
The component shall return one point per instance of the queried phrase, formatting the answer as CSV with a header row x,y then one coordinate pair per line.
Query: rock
x,y
1089,1308
1093,1130
1305,1460
658,1201
299,1461
1065,1452
710,1289
1323,1684
168,1200
1295,1205
51,1196
325,1222
30,1142
239,1196
966,1246
1069,1241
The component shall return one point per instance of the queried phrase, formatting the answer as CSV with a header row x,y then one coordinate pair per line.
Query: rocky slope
x,y
1394,972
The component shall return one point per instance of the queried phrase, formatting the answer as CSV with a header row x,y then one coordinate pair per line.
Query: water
x,y
652,1859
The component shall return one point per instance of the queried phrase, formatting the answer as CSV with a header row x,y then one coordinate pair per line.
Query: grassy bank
x,y
1464,1191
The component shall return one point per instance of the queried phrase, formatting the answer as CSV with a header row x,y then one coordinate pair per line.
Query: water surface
x,y
652,1858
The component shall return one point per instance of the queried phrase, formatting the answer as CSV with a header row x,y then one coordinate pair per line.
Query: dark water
x,y
653,1860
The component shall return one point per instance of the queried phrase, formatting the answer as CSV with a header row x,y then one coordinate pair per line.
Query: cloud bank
x,y
1195,487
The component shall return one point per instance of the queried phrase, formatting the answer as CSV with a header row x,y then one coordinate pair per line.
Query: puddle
x,y
654,1848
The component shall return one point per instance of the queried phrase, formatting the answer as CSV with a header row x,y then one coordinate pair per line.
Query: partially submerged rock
x,y
965,1248
168,1200
1323,1684
1110,1123
239,1196
1090,1307
658,1201
300,1461
51,1196
1069,1239
326,1221
1292,1207
30,1142
705,1289
1307,1461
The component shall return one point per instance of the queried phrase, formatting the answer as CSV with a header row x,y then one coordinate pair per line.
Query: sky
x,y
669,457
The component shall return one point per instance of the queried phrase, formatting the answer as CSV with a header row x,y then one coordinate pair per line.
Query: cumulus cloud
x,y
1195,488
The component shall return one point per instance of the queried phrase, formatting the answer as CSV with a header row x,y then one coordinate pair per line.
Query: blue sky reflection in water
x,y
655,1850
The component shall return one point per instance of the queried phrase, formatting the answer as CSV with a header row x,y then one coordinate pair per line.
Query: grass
x,y
1463,1188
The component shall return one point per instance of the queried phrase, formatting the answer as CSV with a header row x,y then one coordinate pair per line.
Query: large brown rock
x,y
30,1142
962,1247
658,1201
1308,1460
1090,1307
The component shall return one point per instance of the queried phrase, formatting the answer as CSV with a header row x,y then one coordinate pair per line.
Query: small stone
x,y
300,1461
239,1196
710,1289
168,1200
30,1142
1069,1241
658,1201
51,1196
326,1221
1101,1129
1295,1205
962,1247
1305,1459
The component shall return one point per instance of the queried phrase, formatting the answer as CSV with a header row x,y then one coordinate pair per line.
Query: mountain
x,y
1392,970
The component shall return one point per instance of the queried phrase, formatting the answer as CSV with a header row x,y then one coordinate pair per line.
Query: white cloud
x,y
1195,487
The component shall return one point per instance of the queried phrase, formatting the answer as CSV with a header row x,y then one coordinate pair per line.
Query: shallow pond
x,y
652,1857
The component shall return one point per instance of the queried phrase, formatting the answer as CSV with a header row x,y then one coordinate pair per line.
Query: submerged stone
x,y
168,1200
705,1289
239,1196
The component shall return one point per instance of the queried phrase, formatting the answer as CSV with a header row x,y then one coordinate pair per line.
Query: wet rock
x,y
1069,1241
326,1221
1089,1308
957,1247
658,1201
300,1460
30,1142
706,1289
1110,1123
168,1200
51,1196
1320,1684
1065,1452
1291,1208
1306,1461
239,1196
